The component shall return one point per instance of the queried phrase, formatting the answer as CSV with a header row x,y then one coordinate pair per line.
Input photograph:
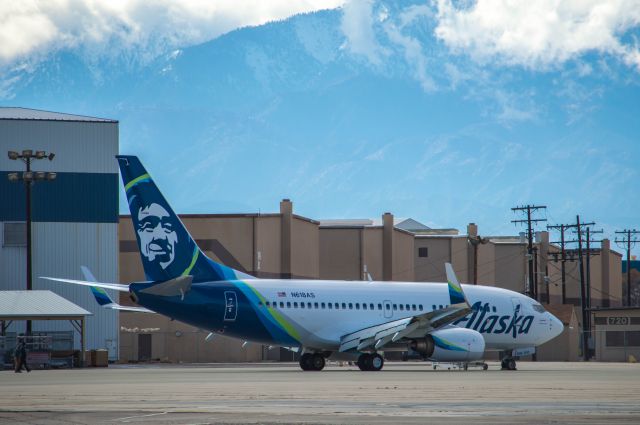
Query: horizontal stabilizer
x,y
119,307
116,286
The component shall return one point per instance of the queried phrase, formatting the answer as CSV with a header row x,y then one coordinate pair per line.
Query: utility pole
x,y
630,243
563,260
583,297
585,334
475,241
532,291
590,232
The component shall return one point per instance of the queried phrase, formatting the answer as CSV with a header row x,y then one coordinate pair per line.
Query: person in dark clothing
x,y
20,355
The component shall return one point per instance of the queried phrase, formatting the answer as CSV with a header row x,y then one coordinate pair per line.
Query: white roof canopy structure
x,y
38,305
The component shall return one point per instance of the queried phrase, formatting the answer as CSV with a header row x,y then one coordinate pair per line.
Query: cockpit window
x,y
538,308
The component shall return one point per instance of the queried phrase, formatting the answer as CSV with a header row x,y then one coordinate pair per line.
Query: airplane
x,y
321,319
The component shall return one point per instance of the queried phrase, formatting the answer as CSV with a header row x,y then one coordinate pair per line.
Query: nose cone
x,y
555,326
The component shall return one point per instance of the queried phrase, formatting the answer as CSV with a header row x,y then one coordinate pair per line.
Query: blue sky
x,y
447,112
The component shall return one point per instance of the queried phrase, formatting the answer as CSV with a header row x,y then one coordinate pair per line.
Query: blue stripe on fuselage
x,y
204,307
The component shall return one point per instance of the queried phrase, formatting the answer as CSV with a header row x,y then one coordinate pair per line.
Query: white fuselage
x,y
321,325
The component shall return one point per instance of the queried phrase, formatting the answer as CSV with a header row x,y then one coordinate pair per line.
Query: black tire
x,y
305,361
485,366
317,362
376,362
363,361
511,364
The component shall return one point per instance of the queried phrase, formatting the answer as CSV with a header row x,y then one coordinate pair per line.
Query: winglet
x,y
455,289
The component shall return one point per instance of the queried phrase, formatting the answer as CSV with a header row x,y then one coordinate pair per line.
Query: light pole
x,y
29,178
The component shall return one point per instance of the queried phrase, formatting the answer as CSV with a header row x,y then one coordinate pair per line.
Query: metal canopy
x,y
38,305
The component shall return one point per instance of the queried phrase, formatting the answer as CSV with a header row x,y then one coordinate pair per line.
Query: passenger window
x,y
281,304
364,306
401,307
379,306
288,304
344,306
413,307
308,305
336,306
322,305
493,308
301,305
350,306
267,303
357,306
315,305
371,306
395,306
433,307
420,307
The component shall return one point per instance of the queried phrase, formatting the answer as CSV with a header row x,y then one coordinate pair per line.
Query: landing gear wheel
x,y
509,364
305,361
363,361
317,362
376,362
485,366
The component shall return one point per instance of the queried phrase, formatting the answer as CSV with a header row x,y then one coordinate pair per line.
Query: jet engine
x,y
450,345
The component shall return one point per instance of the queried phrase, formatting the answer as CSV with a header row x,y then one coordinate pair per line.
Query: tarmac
x,y
413,393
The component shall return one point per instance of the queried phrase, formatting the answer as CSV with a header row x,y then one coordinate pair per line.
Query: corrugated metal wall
x,y
60,248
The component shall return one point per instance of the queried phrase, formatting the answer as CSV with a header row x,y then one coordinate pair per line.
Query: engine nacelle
x,y
451,345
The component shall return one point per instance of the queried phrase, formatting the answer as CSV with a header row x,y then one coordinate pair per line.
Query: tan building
x,y
285,245
617,334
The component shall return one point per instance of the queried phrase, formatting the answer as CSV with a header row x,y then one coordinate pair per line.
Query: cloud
x,y
39,27
358,27
540,34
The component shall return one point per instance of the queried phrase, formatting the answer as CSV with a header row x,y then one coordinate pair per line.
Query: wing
x,y
376,337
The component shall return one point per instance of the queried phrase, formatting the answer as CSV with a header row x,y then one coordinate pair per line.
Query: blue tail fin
x,y
166,248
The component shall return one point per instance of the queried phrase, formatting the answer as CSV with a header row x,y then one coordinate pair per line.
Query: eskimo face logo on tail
x,y
157,234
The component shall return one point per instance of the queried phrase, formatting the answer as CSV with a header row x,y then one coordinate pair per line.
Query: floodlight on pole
x,y
29,178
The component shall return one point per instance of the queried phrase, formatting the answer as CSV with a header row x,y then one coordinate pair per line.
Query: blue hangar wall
x,y
75,217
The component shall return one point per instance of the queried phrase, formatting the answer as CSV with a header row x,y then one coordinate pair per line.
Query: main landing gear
x,y
312,361
508,363
370,362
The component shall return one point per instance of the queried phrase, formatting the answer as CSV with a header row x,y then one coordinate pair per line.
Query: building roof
x,y
16,113
563,312
401,223
43,305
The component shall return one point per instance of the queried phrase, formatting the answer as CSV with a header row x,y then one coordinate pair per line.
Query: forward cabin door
x,y
388,312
